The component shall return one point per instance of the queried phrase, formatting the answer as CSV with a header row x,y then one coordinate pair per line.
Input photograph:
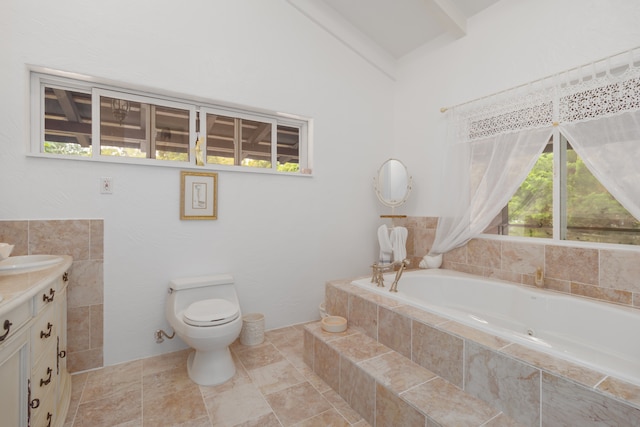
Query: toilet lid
x,y
211,312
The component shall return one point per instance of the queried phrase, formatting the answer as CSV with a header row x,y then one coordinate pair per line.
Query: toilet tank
x,y
184,291
201,281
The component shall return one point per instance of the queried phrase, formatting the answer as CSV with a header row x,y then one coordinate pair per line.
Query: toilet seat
x,y
211,312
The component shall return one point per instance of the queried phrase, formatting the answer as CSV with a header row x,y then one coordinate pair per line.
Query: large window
x,y
587,211
86,119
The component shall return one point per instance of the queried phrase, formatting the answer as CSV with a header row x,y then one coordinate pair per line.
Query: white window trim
x,y
42,76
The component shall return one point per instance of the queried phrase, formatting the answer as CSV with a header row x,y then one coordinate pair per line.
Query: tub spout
x,y
378,273
403,265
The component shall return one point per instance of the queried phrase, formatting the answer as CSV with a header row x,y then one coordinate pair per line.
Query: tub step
x,y
388,389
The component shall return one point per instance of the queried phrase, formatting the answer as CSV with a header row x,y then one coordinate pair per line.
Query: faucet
x,y
378,273
403,265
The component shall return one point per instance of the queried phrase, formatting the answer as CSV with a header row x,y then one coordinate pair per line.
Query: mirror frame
x,y
380,181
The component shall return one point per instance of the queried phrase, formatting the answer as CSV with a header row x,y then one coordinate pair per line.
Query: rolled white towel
x,y
385,244
399,243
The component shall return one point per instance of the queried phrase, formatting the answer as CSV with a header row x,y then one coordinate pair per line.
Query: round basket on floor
x,y
252,332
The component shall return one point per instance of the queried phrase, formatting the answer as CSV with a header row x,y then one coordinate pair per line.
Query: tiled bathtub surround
x,y
386,388
530,387
83,240
611,275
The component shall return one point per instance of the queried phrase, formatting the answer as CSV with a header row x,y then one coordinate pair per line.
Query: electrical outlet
x,y
106,185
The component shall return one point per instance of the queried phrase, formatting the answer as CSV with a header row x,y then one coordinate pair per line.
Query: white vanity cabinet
x,y
35,386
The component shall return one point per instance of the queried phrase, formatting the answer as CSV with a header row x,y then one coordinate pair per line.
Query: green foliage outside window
x,y
593,214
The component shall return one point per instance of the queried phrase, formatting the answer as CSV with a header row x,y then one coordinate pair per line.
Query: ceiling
x,y
383,31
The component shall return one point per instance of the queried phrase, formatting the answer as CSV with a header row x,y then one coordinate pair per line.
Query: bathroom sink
x,y
24,263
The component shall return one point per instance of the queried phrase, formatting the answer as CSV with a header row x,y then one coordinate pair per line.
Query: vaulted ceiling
x,y
383,31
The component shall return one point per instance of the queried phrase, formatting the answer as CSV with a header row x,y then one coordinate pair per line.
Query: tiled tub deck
x,y
397,359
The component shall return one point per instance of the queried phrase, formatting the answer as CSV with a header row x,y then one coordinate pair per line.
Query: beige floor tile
x,y
258,356
276,376
268,420
236,406
283,336
342,406
297,403
112,380
117,409
171,409
166,382
158,392
200,422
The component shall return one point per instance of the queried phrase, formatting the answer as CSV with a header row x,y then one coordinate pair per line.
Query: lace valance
x,y
601,96
514,112
549,102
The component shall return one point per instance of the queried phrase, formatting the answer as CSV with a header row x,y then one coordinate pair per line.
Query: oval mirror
x,y
393,183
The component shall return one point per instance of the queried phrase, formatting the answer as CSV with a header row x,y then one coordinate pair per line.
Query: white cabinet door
x,y
14,367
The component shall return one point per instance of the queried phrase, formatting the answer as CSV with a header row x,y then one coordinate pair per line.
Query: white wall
x,y
281,237
511,43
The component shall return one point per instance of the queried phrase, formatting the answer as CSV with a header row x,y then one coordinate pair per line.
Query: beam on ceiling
x,y
450,16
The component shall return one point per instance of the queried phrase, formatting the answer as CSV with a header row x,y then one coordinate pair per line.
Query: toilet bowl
x,y
204,312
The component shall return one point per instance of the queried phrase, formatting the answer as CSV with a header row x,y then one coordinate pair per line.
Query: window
x,y
133,128
587,211
88,119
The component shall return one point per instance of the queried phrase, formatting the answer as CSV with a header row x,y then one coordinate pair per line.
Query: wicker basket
x,y
252,332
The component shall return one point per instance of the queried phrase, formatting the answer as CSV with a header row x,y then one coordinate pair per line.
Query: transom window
x,y
85,119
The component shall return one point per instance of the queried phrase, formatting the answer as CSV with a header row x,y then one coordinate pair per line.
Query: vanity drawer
x,y
42,415
47,295
44,333
44,377
13,320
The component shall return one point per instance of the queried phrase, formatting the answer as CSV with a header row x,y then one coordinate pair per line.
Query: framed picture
x,y
198,195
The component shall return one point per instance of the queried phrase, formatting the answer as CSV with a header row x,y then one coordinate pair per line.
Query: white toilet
x,y
204,312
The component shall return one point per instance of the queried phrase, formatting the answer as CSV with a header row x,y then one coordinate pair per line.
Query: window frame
x,y
96,87
559,210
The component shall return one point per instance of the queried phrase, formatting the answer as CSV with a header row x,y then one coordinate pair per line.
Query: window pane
x,y
256,144
530,210
593,215
221,131
529,213
136,129
67,122
235,141
288,149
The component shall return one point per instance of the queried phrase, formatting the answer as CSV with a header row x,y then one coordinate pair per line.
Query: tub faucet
x,y
403,265
378,273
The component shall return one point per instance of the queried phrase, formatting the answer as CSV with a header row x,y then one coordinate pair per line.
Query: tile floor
x,y
272,387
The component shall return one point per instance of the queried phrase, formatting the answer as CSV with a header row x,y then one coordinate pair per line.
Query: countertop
x,y
16,287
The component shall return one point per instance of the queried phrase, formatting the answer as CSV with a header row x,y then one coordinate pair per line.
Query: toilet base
x,y
209,368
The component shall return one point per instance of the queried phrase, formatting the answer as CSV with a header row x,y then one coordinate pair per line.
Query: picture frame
x,y
198,195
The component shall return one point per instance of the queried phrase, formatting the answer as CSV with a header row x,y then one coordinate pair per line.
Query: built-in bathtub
x,y
601,336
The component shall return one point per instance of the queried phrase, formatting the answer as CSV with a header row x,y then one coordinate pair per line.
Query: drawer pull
x,y
47,334
34,403
49,298
48,380
7,327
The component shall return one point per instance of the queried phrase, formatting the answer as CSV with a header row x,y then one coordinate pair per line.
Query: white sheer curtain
x,y
494,148
600,117
496,141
